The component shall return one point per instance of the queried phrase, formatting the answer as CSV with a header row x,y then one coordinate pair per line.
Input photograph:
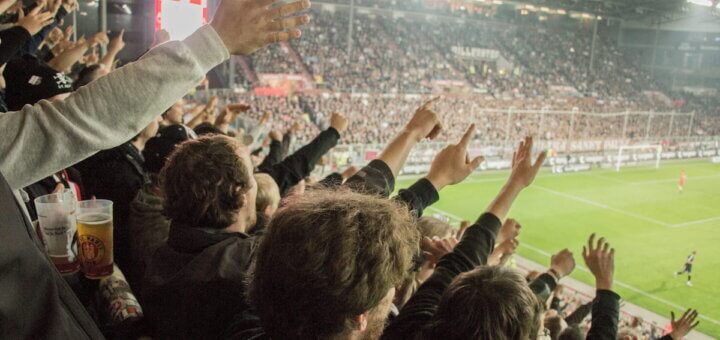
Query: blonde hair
x,y
268,193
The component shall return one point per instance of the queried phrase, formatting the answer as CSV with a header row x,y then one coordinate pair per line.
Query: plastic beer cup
x,y
95,235
56,219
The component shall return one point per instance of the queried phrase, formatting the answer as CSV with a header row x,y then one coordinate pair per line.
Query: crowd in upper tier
x,y
218,230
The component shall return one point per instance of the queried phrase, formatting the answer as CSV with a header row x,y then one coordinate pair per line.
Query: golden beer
x,y
95,236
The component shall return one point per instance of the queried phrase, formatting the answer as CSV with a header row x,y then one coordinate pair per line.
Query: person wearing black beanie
x,y
30,80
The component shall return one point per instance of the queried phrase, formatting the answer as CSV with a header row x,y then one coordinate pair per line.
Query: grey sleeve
x,y
42,139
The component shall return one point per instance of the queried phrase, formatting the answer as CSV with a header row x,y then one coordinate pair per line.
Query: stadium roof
x,y
657,11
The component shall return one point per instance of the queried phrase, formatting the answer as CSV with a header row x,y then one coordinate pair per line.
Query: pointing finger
x,y
429,102
467,137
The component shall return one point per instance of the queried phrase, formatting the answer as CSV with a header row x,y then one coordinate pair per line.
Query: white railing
x,y
498,154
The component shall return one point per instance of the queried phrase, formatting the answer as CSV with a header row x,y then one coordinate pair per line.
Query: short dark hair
x,y
207,129
554,325
328,257
86,76
203,182
571,333
489,302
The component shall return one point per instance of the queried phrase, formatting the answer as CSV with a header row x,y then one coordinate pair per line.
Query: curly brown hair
x,y
328,257
203,182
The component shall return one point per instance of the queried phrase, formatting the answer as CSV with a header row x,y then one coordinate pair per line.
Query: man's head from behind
x,y
174,114
208,183
328,265
487,303
268,196
432,227
89,74
159,148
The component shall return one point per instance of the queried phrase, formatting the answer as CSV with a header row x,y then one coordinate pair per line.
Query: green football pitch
x,y
652,226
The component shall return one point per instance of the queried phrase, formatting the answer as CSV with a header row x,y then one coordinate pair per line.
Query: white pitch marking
x,y
680,225
690,178
603,206
618,282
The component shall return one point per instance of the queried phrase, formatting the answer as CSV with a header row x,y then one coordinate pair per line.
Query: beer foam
x,y
94,218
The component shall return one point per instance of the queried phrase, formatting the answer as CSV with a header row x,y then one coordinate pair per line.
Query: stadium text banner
x,y
180,17
476,53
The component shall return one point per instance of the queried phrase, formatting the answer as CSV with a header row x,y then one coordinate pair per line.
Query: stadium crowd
x,y
538,68
220,239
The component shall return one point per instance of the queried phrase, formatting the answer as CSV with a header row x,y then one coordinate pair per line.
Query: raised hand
x,y
238,108
266,117
682,327
600,259
295,128
436,248
502,252
562,263
92,58
349,172
54,37
35,20
339,122
509,230
248,25
275,135
54,6
70,5
99,38
425,123
212,104
117,44
523,170
452,164
59,188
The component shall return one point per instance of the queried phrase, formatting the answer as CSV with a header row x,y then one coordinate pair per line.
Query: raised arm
x,y
424,124
473,250
229,115
274,156
523,173
50,136
561,265
69,57
13,39
450,166
378,177
116,45
300,164
600,259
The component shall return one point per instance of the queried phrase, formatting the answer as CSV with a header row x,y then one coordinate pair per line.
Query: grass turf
x,y
639,210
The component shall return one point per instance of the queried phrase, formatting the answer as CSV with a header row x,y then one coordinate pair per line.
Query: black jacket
x,y
274,156
12,40
117,175
472,251
605,316
195,283
300,164
48,310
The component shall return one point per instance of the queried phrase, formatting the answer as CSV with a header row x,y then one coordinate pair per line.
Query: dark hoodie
x,y
195,284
